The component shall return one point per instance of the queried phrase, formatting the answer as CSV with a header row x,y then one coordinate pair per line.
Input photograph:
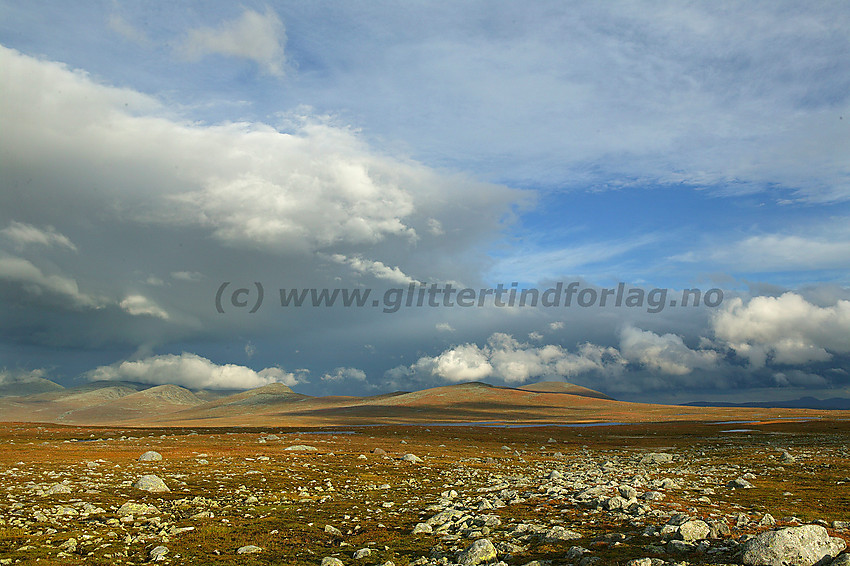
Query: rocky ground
x,y
643,495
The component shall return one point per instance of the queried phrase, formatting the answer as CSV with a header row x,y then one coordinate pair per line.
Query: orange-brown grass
x,y
819,483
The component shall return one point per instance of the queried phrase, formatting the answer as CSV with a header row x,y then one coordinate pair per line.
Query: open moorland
x,y
645,486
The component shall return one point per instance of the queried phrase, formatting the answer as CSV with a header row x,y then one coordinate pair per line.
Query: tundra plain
x,y
338,481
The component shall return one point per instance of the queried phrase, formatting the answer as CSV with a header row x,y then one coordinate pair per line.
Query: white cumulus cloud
x,y
375,268
508,360
666,353
194,372
139,305
784,330
344,374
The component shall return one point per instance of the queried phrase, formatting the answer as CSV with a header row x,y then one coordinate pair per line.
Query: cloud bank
x,y
193,372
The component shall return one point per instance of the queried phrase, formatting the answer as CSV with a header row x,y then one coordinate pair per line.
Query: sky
x,y
162,164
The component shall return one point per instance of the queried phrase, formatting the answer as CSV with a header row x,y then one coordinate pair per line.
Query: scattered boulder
x,y
740,483
809,545
362,553
249,549
478,552
656,458
150,456
331,561
131,508
694,530
301,448
719,529
152,483
57,488
158,553
413,458
331,530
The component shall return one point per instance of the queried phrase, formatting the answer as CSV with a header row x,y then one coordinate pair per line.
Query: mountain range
x,y
134,404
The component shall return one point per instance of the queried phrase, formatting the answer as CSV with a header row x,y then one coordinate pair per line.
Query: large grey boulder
x,y
694,530
809,545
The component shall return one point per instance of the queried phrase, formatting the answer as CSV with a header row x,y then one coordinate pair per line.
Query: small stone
x,y
158,553
57,488
413,458
627,492
719,529
331,561
131,508
249,549
422,528
150,456
301,448
151,483
740,483
331,530
362,553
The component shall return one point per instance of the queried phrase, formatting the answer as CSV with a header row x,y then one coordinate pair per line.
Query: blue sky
x,y
152,152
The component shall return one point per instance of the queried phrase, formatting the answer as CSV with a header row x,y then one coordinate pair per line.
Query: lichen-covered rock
x,y
132,508
656,458
249,549
152,483
694,530
479,552
809,545
150,456
158,553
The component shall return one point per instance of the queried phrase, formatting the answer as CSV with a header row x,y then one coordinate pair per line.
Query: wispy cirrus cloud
x,y
258,37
